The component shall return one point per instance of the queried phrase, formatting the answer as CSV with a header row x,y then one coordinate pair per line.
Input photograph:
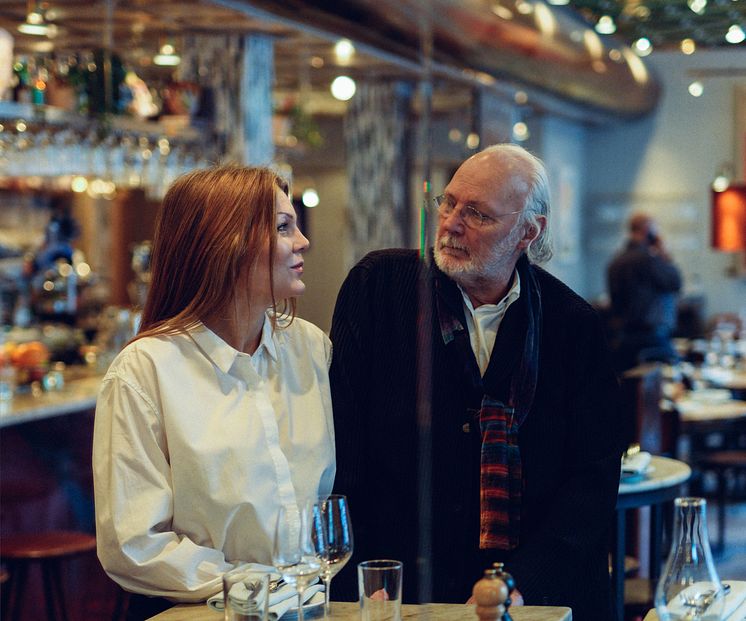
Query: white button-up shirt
x,y
196,446
484,321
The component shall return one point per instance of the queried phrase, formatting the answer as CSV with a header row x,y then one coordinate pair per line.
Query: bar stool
x,y
723,462
48,549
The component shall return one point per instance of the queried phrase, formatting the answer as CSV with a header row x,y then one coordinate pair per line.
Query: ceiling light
x,y
698,6
472,140
642,46
310,197
696,89
524,8
520,131
558,2
455,135
520,97
344,51
606,25
721,182
735,34
688,46
343,88
167,57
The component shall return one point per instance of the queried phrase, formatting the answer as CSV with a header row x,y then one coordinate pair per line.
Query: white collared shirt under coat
x,y
196,446
484,321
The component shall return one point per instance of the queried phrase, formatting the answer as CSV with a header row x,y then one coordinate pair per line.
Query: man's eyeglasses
x,y
471,216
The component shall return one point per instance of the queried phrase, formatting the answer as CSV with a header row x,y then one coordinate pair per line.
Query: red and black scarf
x,y
501,477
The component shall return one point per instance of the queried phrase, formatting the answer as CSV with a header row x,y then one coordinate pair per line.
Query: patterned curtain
x,y
377,167
256,99
236,75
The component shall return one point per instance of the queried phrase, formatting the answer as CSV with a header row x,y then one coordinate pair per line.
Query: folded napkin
x,y
282,600
637,463
733,601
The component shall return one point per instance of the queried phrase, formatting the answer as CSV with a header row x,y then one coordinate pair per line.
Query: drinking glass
x,y
293,553
379,587
332,539
245,594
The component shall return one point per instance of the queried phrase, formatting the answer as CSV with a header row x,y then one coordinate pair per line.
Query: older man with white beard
x,y
524,445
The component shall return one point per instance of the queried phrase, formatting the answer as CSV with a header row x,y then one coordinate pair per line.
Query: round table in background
x,y
661,485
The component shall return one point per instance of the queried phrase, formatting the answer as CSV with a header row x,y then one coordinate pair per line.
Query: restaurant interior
x,y
367,108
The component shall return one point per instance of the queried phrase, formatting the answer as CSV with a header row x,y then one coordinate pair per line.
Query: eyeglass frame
x,y
468,209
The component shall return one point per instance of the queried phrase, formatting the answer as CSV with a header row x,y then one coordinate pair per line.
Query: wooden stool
x,y
723,462
49,550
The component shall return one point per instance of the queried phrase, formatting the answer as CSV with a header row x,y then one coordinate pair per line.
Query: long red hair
x,y
211,228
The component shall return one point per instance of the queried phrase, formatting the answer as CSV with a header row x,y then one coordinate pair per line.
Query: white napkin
x,y
282,600
637,463
733,600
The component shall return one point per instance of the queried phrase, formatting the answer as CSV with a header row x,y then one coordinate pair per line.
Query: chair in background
x,y
726,464
49,550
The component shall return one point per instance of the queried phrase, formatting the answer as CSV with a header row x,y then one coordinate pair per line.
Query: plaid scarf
x,y
501,477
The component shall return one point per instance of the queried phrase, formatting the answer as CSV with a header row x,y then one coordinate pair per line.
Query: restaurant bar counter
x,y
350,611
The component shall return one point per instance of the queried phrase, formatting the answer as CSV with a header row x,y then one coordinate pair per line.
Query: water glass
x,y
245,594
379,586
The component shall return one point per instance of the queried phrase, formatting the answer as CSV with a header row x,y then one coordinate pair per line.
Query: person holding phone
x,y
643,284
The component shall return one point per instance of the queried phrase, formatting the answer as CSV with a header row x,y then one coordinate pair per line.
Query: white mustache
x,y
446,241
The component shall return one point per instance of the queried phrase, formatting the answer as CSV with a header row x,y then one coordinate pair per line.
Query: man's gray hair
x,y
537,201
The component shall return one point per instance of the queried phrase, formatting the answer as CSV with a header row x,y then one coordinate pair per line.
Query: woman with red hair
x,y
218,412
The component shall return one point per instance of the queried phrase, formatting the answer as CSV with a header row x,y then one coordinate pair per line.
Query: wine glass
x,y
293,553
333,540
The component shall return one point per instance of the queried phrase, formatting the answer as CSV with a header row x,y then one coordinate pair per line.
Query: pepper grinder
x,y
490,594
509,582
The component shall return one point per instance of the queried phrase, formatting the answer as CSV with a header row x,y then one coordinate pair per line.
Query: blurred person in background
x,y
643,285
218,412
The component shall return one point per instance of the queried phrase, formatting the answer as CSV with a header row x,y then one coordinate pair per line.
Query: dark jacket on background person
x,y
643,287
570,442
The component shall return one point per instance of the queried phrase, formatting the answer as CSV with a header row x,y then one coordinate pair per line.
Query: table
x,y
349,611
77,395
661,485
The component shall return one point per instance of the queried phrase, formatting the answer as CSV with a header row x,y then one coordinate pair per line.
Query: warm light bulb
x,y
520,131
688,46
472,140
310,197
344,50
343,88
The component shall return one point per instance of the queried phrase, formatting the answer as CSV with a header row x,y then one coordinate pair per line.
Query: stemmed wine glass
x,y
332,538
293,553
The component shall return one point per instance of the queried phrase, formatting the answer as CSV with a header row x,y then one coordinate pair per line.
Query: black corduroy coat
x,y
415,497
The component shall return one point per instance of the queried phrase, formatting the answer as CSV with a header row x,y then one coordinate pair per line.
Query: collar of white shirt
x,y
222,354
484,321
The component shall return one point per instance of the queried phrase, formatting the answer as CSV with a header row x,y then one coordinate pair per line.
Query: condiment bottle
x,y
490,594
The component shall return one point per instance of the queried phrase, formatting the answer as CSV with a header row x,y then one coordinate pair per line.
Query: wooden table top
x,y
349,611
